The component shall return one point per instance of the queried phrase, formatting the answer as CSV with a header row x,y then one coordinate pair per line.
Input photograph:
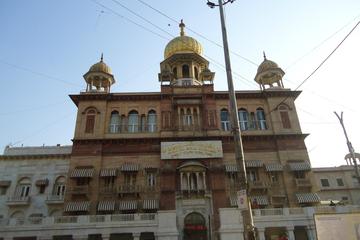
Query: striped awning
x,y
83,206
128,167
150,204
42,182
149,167
253,163
260,200
274,167
108,172
106,206
307,197
82,173
128,205
5,183
299,166
231,168
233,201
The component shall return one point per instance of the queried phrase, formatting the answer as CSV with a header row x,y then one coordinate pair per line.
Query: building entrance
x,y
195,227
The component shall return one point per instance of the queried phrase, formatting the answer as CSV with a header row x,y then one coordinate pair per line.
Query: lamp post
x,y
249,229
348,143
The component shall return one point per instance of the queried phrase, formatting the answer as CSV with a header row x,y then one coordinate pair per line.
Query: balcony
x,y
80,190
54,199
192,193
107,191
300,182
257,185
18,201
129,189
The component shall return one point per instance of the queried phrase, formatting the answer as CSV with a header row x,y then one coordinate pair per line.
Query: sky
x,y
47,46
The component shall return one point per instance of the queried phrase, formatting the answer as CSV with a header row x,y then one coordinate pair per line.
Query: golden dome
x,y
182,44
100,67
268,72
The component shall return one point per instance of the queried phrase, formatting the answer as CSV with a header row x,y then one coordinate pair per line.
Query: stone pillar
x,y
290,231
181,180
197,181
179,113
136,236
310,233
204,180
261,233
105,236
188,181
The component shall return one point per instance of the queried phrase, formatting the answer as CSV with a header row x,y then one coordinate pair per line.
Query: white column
x,y
290,231
179,113
310,233
181,180
261,233
80,237
197,181
136,236
204,180
188,181
198,116
105,236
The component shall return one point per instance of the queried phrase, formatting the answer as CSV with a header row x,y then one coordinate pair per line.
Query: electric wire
x,y
318,67
197,33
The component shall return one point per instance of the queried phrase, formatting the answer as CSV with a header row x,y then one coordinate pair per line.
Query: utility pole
x,y
249,228
350,147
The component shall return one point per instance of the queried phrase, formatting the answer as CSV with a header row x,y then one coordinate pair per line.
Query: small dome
x,y
182,44
268,72
100,67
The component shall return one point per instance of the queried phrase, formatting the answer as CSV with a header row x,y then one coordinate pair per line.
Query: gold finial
x,y
102,57
182,26
264,55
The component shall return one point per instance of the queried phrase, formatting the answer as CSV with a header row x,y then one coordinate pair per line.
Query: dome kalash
x,y
269,73
183,64
182,44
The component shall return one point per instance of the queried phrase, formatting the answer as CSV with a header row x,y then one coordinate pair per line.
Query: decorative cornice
x,y
34,157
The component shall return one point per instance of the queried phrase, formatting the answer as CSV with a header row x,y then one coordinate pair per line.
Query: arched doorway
x,y
195,227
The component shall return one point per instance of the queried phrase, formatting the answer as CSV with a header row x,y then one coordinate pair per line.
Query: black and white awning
x,y
151,204
299,166
108,172
42,182
253,163
307,197
128,167
274,167
82,173
231,168
127,205
83,206
260,200
106,206
5,183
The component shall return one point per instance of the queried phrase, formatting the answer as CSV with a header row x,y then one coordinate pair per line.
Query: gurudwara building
x,y
161,165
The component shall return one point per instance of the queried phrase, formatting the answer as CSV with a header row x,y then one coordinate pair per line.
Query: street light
x,y
249,229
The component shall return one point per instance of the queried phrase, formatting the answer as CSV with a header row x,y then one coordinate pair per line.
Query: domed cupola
x,y
183,64
99,78
269,73
182,44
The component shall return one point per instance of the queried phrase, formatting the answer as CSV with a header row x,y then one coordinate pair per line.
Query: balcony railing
x,y
149,218
129,189
54,199
302,182
80,189
257,185
18,200
110,190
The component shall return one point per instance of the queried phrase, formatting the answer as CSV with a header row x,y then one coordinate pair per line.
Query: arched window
x,y
59,187
196,73
284,116
175,72
90,121
115,122
243,119
185,71
188,118
23,188
260,115
151,121
225,120
133,124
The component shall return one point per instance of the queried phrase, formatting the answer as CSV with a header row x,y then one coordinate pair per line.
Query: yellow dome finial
x,y
182,26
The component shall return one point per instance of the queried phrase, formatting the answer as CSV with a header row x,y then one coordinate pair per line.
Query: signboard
x,y
242,200
337,226
191,149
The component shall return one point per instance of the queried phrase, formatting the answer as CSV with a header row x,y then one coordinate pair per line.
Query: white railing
x,y
55,198
18,200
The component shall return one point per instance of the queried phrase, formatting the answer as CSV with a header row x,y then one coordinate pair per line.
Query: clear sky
x,y
46,47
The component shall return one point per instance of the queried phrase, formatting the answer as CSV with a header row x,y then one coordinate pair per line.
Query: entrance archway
x,y
195,227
